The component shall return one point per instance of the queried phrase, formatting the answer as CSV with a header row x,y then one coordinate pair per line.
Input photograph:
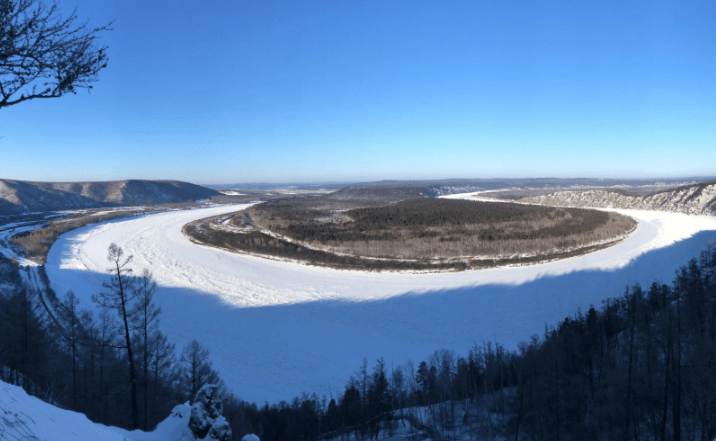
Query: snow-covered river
x,y
276,329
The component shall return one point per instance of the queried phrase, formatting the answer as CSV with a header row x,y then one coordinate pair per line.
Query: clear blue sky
x,y
235,91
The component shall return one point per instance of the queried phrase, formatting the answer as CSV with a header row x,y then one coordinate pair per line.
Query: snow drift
x,y
23,417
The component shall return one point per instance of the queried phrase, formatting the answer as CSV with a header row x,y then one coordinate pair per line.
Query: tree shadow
x,y
273,353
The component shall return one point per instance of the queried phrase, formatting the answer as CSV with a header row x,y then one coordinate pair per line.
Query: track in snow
x,y
277,329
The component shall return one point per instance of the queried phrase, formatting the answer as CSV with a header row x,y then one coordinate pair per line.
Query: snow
x,y
232,193
276,329
9,230
23,417
206,419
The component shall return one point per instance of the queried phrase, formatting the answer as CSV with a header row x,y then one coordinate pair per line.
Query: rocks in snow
x,y
250,437
206,421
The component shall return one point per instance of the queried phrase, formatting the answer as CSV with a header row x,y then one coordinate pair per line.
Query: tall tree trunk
x,y
519,413
146,390
677,391
629,385
132,376
666,383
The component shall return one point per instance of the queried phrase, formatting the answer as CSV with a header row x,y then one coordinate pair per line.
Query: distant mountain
x,y
26,197
690,199
267,186
441,187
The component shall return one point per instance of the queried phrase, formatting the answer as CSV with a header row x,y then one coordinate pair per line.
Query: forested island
x,y
414,234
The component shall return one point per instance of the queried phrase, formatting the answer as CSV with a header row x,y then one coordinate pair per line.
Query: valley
x,y
276,329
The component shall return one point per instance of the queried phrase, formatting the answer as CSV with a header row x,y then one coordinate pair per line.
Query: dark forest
x,y
640,366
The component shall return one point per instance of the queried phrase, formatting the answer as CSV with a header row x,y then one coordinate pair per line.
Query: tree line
x,y
36,243
116,366
256,242
417,234
642,366
447,220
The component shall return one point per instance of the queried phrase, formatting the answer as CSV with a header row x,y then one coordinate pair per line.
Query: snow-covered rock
x,y
206,416
26,417
250,437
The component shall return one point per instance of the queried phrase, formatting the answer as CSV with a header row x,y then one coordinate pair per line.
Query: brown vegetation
x,y
422,234
36,244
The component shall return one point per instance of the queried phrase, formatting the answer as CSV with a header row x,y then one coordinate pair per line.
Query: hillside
x,y
23,417
690,199
26,197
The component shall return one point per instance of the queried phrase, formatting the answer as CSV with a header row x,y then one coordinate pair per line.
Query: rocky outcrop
x,y
692,199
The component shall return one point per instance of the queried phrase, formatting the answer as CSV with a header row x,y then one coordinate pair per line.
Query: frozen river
x,y
276,329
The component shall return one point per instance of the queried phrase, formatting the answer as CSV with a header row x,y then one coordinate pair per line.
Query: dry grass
x,y
36,243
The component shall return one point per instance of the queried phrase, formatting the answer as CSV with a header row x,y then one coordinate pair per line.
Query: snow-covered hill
x,y
23,417
24,197
691,199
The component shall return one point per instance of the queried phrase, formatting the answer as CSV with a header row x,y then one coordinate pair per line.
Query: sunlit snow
x,y
276,329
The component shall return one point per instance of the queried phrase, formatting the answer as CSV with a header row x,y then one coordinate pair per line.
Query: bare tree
x,y
43,55
119,295
69,314
146,317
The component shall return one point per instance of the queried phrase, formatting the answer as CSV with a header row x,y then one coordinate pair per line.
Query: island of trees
x,y
413,234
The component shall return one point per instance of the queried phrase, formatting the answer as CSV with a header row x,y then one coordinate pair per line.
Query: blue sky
x,y
237,91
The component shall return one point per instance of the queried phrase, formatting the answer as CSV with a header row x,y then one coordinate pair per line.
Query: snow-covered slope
x,y
23,417
276,329
692,199
444,191
24,197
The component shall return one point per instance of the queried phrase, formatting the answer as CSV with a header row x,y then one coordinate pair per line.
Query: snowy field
x,y
23,417
276,329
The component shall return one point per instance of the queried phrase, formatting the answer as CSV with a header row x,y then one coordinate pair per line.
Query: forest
x,y
414,234
640,366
